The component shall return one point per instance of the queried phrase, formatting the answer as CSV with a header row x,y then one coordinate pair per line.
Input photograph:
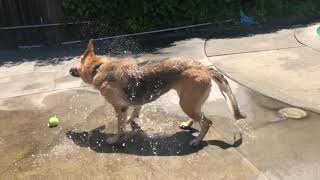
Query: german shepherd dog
x,y
124,84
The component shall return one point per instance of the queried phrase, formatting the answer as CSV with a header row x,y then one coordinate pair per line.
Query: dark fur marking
x,y
151,85
95,69
110,76
124,109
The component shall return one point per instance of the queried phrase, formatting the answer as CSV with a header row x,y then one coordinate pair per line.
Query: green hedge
x,y
140,15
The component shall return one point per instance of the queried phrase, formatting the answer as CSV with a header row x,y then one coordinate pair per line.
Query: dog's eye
x,y
95,68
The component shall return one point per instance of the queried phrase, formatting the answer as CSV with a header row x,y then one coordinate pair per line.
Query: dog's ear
x,y
90,45
89,51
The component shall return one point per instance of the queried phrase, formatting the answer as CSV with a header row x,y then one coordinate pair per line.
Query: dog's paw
x,y
194,142
240,116
185,125
113,139
134,125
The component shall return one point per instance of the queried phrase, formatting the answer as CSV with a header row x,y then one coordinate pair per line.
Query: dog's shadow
x,y
139,143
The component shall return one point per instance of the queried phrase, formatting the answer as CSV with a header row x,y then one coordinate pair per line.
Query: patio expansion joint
x,y
248,52
48,91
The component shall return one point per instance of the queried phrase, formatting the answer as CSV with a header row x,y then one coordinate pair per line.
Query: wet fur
x,y
124,85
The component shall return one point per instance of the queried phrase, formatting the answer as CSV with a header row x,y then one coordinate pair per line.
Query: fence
x,y
30,22
30,12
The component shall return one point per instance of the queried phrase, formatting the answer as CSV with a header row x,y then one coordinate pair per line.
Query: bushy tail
x,y
226,92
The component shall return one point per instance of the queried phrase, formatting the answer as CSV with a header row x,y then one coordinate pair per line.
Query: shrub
x,y
140,15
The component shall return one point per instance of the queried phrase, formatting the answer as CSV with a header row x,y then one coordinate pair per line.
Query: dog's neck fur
x,y
110,70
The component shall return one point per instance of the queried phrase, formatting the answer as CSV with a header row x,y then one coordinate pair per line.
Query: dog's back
x,y
151,81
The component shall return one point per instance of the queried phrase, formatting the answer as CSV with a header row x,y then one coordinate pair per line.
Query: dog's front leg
x,y
135,114
122,117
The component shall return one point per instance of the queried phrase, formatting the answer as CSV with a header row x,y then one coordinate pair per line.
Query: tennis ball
x,y
53,122
318,31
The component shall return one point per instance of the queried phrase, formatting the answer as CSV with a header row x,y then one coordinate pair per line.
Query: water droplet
x,y
154,150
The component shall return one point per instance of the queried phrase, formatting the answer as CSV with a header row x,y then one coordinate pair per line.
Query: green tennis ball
x,y
318,31
53,122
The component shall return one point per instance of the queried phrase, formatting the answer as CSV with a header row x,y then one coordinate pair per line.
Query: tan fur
x,y
124,85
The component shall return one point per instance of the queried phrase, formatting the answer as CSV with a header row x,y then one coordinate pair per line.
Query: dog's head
x,y
88,65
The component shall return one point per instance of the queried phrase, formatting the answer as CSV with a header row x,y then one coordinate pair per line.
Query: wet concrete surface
x,y
31,94
270,147
280,148
264,146
77,147
276,66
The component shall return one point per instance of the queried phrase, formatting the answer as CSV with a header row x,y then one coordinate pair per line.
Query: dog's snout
x,y
74,72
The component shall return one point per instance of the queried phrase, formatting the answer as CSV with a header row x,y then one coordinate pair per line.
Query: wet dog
x,y
124,85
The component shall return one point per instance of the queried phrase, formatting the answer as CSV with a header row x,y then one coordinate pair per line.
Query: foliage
x,y
141,15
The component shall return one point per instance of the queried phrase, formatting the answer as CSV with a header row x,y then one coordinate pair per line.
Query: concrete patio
x,y
270,147
283,65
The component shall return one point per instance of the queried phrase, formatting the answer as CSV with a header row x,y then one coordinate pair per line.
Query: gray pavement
x,y
270,148
283,65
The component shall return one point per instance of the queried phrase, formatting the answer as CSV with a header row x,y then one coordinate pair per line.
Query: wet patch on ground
x,y
86,122
157,148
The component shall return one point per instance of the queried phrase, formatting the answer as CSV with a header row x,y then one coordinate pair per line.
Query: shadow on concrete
x,y
133,46
139,143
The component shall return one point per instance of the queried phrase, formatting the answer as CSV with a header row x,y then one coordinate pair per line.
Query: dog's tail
x,y
226,92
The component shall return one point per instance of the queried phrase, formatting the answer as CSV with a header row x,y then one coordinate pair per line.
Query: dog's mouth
x,y
74,72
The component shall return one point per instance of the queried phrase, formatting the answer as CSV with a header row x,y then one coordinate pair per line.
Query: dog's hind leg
x,y
191,101
205,124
